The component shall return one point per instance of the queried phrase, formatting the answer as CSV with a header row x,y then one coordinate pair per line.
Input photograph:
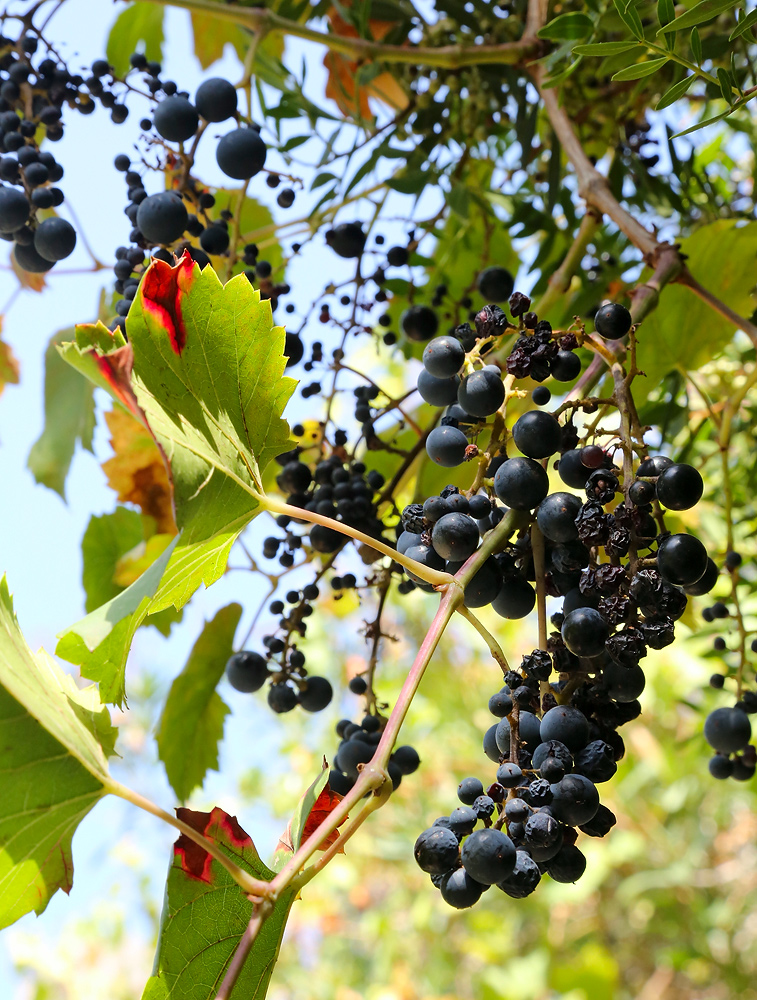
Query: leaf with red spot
x,y
205,913
314,806
204,371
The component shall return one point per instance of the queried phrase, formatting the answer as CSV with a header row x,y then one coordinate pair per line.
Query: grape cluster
x,y
283,667
356,749
345,492
531,813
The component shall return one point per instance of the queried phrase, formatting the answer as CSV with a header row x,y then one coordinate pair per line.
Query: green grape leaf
x,y
203,371
55,740
141,22
99,644
703,11
205,913
69,418
106,540
191,726
683,334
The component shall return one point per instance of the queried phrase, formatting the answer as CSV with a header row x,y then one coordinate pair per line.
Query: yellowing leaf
x,y
137,471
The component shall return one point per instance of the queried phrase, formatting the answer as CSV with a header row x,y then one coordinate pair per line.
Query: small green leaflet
x,y
55,740
205,913
296,825
695,41
744,25
603,48
665,11
639,70
191,726
726,86
705,10
630,18
567,26
69,418
204,371
675,92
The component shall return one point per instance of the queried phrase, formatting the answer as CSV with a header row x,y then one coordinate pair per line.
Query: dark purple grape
x,y
241,153
175,119
571,469
316,694
585,632
419,323
14,209
575,800
162,218
488,856
54,239
481,393
537,434
682,560
727,729
568,865
567,725
458,889
455,537
523,879
485,585
495,284
528,732
654,466
612,321
566,366
469,790
443,357
437,391
706,582
521,483
680,487
406,758
436,850
515,599
282,698
247,671
28,259
556,517
446,446
216,99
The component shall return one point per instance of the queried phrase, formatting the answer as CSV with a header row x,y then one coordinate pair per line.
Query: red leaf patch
x,y
217,826
162,289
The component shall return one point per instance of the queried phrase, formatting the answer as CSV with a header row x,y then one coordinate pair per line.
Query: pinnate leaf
x,y
191,726
205,913
203,372
55,740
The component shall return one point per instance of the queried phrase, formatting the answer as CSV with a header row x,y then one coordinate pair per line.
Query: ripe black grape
x,y
568,865
481,393
54,239
436,850
682,559
443,357
521,483
485,585
613,321
515,599
488,856
575,800
495,284
556,517
455,537
14,209
566,724
241,154
28,259
247,671
419,323
585,632
446,446
216,99
537,434
679,487
282,698
437,391
566,366
162,217
176,119
316,694
458,889
523,879
727,729
469,790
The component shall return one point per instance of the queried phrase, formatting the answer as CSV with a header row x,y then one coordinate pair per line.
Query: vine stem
x,y
491,642
373,778
538,549
264,21
260,912
251,886
432,576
